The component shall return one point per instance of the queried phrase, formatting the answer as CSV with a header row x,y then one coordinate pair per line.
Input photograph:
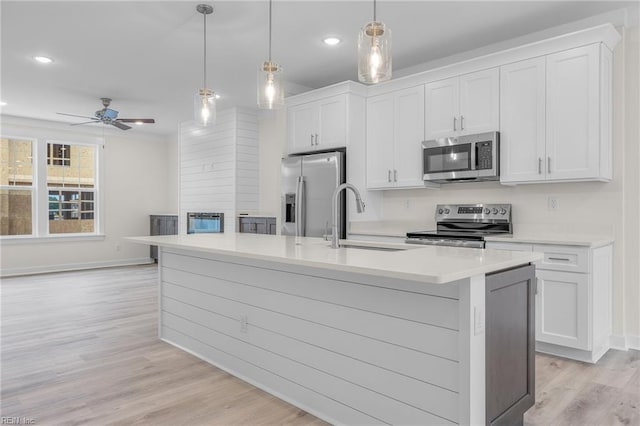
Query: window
x,y
16,186
48,188
71,189
58,154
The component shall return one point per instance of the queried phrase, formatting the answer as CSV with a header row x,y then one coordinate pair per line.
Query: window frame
x,y
33,188
40,189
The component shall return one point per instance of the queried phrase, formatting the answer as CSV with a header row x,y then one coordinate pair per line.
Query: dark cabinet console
x,y
510,345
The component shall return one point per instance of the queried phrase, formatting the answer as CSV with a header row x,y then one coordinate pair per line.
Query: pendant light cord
x,y
204,74
269,32
374,10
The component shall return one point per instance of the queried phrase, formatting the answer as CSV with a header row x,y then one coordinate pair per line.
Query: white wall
x,y
135,183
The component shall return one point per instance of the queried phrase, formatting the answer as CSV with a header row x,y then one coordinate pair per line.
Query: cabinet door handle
x,y
454,123
462,122
564,259
316,139
539,165
389,175
548,164
395,175
312,140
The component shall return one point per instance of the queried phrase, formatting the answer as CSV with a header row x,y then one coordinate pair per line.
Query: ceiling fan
x,y
107,115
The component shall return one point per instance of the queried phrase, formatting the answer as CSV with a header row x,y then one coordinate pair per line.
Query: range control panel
x,y
474,212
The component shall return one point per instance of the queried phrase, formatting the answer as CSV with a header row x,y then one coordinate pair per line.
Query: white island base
x,y
349,347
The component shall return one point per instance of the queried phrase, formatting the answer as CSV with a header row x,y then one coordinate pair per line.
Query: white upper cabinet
x,y
573,108
442,108
555,120
395,130
318,125
522,121
462,105
380,145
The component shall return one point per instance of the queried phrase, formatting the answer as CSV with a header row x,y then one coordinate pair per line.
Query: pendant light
x,y
204,105
270,87
374,51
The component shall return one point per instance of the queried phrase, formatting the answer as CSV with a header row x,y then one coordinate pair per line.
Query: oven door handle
x,y
445,242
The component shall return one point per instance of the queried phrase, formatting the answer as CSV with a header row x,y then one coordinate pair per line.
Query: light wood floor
x,y
82,348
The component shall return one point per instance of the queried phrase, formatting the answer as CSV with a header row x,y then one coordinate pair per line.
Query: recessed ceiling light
x,y
331,41
43,59
3,103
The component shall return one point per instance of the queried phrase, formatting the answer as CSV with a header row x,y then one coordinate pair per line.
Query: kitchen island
x,y
368,334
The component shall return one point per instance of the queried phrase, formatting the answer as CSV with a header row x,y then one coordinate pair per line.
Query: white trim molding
x,y
633,342
618,342
45,269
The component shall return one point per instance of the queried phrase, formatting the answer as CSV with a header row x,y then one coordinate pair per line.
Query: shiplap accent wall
x,y
219,167
359,350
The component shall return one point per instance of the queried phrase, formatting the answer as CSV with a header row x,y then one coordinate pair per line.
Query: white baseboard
x,y
618,342
12,272
633,342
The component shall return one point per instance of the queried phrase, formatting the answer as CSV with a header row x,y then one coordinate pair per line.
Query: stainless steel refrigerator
x,y
308,182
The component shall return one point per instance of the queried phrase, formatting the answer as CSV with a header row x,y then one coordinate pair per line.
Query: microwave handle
x,y
474,148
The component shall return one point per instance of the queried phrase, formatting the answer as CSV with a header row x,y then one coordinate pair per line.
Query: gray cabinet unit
x,y
257,225
162,225
510,345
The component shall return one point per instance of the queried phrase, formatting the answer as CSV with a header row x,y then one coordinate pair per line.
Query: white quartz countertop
x,y
556,238
431,264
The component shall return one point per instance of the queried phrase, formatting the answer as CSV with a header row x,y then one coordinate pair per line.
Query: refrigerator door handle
x,y
297,208
300,206
303,212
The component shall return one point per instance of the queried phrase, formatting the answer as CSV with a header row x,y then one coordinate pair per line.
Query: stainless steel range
x,y
465,225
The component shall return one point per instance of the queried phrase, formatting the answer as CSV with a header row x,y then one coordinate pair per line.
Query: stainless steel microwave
x,y
462,159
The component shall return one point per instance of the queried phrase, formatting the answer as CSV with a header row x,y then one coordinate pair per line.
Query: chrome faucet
x,y
335,235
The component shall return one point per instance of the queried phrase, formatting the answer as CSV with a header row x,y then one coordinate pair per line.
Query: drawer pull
x,y
564,259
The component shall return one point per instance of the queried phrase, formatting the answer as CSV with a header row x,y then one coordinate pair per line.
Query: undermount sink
x,y
376,248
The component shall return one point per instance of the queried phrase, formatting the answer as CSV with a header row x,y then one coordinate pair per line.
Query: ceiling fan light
x,y
270,86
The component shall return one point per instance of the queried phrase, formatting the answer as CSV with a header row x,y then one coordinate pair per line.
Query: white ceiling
x,y
147,55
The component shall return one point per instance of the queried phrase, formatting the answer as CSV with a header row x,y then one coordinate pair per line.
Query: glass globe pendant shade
x,y
374,53
270,86
204,107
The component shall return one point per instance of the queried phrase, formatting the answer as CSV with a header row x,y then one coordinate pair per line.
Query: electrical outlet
x,y
407,203
478,320
553,203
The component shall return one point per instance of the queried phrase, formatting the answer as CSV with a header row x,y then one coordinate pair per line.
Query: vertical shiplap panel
x,y
247,162
207,164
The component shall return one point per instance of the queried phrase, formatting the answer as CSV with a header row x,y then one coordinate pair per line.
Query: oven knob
x,y
446,211
494,211
487,211
503,211
440,211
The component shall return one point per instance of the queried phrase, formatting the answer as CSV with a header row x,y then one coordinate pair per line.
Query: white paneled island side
x,y
357,335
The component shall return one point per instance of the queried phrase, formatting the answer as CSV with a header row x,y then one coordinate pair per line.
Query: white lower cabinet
x,y
573,299
561,308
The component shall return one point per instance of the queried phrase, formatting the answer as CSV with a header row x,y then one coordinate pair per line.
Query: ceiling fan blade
x,y
85,122
74,115
120,125
137,120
